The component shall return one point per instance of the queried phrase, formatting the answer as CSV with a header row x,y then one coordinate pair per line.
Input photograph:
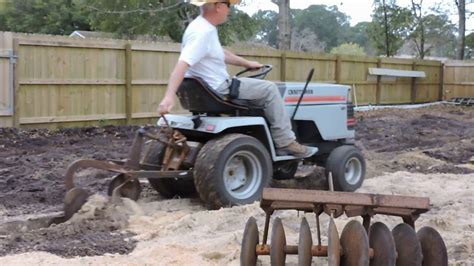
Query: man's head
x,y
215,11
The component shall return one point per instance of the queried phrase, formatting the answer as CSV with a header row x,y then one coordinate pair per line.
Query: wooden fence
x,y
6,79
459,79
62,82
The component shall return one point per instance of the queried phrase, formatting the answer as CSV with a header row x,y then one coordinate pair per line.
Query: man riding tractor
x,y
202,56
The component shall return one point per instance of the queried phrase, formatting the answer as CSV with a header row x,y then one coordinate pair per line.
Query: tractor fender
x,y
219,125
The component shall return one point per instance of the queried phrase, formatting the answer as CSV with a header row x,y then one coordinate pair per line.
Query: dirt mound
x,y
97,229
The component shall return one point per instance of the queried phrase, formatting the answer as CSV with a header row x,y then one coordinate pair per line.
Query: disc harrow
x,y
360,243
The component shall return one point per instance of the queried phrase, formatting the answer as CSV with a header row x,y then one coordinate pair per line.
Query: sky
x,y
358,10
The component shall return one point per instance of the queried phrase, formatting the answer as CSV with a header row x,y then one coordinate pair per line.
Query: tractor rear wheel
x,y
347,166
232,170
168,188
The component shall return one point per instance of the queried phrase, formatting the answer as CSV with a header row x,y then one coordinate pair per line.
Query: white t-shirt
x,y
203,52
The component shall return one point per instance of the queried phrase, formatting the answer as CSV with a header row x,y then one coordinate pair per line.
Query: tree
x,y
44,16
128,18
470,45
358,34
327,23
284,30
348,49
267,30
461,5
390,26
307,41
418,35
3,21
317,28
240,27
439,36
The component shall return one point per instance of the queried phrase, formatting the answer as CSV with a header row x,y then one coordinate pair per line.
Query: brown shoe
x,y
297,150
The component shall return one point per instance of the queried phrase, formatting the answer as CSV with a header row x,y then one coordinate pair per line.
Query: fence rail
x,y
59,81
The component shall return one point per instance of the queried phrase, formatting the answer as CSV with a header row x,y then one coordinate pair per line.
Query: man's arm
x,y
233,59
175,80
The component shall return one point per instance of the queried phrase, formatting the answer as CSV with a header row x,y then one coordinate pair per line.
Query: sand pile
x,y
182,232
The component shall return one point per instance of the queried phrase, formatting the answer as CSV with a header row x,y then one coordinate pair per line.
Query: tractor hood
x,y
316,93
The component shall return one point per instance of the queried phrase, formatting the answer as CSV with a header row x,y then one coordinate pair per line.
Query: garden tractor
x,y
224,151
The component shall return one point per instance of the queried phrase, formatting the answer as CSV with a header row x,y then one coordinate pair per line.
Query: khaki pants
x,y
263,93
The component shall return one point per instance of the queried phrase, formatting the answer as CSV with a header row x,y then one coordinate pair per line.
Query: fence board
x,y
6,103
459,79
64,82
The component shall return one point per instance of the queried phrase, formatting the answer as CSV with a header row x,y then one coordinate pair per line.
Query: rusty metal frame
x,y
176,152
352,204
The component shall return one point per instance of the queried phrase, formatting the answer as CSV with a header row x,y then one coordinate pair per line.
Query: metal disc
x,y
355,245
248,254
278,243
334,245
407,245
305,244
129,190
432,247
73,201
381,241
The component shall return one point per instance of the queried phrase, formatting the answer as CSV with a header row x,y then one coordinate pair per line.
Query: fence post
x,y
283,67
338,69
413,84
128,83
441,83
378,91
16,84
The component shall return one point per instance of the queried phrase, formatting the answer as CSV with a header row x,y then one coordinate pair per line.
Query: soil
x,y
435,139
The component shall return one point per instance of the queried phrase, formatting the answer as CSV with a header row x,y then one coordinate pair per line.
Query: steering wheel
x,y
262,72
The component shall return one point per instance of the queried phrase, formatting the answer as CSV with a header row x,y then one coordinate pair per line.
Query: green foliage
x,y
359,35
267,30
3,21
439,36
470,40
327,23
127,18
44,16
388,35
239,27
348,49
470,46
317,30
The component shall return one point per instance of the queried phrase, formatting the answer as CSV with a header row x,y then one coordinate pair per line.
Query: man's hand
x,y
166,105
253,65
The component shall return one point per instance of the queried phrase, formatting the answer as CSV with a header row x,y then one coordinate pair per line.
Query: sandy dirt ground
x,y
417,152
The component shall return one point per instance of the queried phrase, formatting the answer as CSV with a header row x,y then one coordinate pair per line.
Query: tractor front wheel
x,y
232,170
347,166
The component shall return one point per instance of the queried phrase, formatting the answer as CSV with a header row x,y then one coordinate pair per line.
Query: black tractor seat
x,y
198,97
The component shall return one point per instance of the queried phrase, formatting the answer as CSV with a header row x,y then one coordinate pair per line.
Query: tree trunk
x,y
419,26
284,31
387,42
461,5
